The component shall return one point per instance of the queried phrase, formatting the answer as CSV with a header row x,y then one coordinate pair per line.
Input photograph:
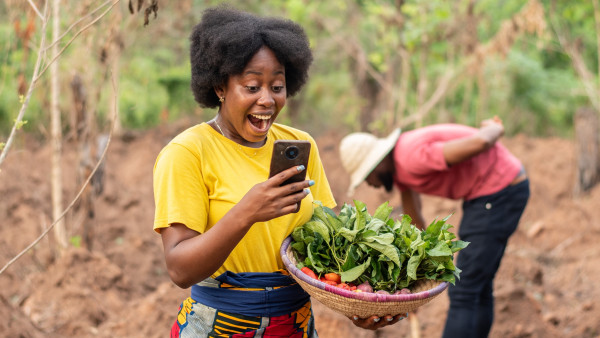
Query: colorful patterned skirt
x,y
246,305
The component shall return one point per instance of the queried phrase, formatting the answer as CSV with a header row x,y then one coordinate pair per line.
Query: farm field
x,y
546,286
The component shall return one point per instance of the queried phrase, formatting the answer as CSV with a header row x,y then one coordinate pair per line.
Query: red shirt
x,y
421,167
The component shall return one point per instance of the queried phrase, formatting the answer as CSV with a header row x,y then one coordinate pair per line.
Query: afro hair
x,y
225,40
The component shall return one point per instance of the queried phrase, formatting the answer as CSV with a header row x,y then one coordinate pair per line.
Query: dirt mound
x,y
545,286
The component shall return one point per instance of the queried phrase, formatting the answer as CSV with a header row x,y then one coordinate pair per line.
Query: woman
x,y
221,220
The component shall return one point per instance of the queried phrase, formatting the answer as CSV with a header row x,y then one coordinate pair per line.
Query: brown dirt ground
x,y
545,286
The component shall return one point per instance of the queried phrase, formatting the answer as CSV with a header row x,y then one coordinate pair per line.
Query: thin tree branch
x,y
34,79
35,9
77,34
438,94
597,20
85,184
37,73
76,23
344,43
585,76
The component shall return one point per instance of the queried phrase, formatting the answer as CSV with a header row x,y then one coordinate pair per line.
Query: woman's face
x,y
253,99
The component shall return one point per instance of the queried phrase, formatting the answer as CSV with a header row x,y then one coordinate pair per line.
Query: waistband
x,y
521,176
251,293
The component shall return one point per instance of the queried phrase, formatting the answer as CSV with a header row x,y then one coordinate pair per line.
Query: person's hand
x,y
492,128
268,200
493,121
374,322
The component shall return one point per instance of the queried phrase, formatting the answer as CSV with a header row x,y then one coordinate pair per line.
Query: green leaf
x,y
411,267
383,212
386,249
318,227
458,245
20,124
361,215
355,272
441,249
348,234
375,225
75,241
331,222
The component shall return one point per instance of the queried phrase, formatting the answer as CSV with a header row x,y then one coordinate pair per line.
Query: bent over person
x,y
461,163
221,218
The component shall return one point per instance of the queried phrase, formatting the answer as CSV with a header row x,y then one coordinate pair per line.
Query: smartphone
x,y
287,154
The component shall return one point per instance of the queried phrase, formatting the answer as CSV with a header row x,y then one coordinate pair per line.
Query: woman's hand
x,y
268,200
374,322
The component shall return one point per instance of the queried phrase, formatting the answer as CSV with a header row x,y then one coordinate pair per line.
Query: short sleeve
x,y
180,195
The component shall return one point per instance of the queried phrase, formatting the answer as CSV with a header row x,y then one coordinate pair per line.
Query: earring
x,y
221,99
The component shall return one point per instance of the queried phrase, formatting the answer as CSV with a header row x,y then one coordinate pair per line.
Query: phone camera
x,y
291,152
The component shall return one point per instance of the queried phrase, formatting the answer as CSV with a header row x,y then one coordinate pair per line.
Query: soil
x,y
545,286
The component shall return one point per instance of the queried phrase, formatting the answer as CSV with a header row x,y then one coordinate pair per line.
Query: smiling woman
x,y
221,218
252,100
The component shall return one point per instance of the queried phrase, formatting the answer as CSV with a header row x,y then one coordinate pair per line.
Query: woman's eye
x,y
252,88
277,89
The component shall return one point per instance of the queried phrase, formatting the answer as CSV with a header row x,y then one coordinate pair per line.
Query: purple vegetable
x,y
383,292
365,287
404,291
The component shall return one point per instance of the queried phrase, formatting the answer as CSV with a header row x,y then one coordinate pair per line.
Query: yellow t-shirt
x,y
201,174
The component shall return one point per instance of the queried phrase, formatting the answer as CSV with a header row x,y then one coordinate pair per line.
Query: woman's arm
x,y
191,257
460,150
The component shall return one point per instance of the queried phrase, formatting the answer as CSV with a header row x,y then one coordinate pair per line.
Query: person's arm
x,y
460,150
411,203
191,257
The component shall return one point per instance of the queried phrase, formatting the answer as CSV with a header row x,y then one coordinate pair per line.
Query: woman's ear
x,y
219,91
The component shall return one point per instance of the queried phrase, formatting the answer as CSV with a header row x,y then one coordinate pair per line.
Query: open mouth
x,y
260,122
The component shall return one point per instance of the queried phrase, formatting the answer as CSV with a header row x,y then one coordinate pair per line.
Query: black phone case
x,y
281,162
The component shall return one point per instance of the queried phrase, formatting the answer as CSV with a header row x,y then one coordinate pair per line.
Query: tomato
x,y
344,286
332,276
330,282
309,272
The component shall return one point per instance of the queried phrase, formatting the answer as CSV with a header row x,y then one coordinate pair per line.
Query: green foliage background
x,y
534,88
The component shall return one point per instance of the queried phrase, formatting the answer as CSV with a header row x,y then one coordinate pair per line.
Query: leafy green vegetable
x,y
389,254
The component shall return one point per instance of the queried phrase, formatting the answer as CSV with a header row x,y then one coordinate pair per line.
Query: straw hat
x,y
362,152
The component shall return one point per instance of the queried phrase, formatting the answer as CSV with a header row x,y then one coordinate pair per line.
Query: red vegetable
x,y
365,287
332,276
309,272
344,286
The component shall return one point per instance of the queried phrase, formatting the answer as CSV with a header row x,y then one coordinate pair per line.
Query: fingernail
x,y
311,183
355,317
389,319
307,191
376,320
300,167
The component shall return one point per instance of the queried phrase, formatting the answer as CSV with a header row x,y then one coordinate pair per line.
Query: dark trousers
x,y
487,223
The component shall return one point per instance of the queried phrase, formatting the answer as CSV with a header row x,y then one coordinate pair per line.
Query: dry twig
x,y
85,184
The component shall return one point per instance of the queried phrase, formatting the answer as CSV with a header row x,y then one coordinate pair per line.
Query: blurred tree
x,y
56,135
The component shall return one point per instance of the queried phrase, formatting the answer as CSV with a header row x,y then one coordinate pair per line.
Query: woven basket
x,y
361,304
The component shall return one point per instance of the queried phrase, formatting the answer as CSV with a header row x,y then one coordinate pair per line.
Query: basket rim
x,y
366,296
